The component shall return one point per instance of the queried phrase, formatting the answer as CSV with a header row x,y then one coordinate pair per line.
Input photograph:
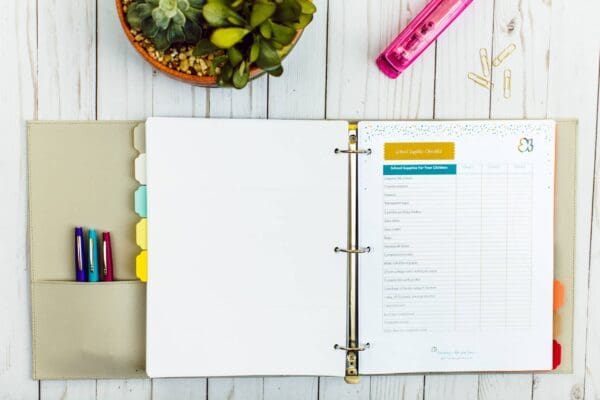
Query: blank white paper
x,y
460,273
243,216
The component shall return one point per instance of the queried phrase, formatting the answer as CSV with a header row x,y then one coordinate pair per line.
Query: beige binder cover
x,y
81,174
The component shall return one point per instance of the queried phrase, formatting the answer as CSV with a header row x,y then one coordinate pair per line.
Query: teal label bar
x,y
420,169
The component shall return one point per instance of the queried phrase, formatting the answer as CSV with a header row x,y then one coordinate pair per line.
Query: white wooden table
x,y
65,59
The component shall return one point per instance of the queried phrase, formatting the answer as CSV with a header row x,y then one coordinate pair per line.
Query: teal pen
x,y
93,271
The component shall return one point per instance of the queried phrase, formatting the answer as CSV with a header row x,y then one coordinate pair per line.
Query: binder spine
x,y
352,250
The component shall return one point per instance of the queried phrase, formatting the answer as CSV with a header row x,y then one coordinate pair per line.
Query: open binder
x,y
74,343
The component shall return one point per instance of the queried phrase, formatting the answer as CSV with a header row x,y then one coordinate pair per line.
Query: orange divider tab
x,y
419,151
559,295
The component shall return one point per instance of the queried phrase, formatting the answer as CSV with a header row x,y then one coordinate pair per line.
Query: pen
x,y
80,260
107,270
93,273
419,35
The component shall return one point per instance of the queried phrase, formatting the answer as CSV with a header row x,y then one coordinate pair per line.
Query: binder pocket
x,y
88,330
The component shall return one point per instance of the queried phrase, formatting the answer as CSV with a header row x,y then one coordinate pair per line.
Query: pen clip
x,y
92,266
104,257
79,254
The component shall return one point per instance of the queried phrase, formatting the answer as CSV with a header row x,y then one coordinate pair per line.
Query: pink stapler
x,y
419,34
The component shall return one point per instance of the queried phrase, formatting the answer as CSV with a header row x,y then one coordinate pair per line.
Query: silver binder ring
x,y
367,151
358,348
353,251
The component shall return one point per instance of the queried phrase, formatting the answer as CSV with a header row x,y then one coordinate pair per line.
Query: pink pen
x,y
419,34
107,270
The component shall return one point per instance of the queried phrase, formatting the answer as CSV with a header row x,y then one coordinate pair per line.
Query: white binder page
x,y
243,217
459,217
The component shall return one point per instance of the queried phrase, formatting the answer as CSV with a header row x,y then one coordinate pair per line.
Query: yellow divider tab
x,y
141,266
141,234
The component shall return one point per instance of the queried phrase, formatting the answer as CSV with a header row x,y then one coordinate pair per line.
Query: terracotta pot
x,y
207,81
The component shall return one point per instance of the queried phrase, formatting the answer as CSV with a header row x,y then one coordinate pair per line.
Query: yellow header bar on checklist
x,y
419,151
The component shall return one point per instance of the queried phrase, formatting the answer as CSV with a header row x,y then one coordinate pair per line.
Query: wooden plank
x,y
527,25
68,390
181,389
67,59
124,88
130,389
300,94
124,78
505,386
18,81
291,388
452,386
456,97
336,388
356,89
177,99
397,387
235,389
300,91
67,90
250,102
457,55
592,381
572,92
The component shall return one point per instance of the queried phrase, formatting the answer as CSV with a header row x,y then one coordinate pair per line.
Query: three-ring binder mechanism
x,y
352,250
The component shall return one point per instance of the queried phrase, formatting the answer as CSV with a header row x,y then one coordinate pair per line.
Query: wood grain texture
x,y
67,90
18,83
572,93
68,390
69,60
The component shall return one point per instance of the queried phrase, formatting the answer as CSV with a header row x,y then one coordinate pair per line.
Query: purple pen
x,y
80,260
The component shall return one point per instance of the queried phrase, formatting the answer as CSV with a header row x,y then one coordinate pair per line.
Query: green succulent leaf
x,y
196,3
183,5
282,34
303,21
235,56
255,49
160,18
268,58
261,11
276,72
265,29
175,33
241,75
204,47
217,62
169,7
307,7
137,13
160,41
288,11
219,14
178,18
192,31
149,28
226,75
224,38
237,4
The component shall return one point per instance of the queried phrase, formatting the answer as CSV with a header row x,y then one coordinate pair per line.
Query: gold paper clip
x,y
504,54
480,80
507,83
485,62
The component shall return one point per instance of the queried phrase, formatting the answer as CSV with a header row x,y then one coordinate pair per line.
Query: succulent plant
x,y
166,22
252,33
